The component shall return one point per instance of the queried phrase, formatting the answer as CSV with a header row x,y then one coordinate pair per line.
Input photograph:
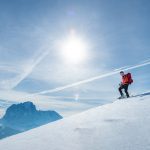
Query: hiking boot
x,y
121,97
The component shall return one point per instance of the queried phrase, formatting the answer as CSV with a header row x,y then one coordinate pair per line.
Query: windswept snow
x,y
122,125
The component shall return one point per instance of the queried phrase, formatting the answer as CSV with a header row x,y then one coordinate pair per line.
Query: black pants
x,y
125,87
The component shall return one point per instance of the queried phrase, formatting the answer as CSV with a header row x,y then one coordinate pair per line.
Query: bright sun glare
x,y
73,49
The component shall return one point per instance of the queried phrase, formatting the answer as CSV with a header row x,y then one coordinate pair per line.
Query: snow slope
x,y
122,125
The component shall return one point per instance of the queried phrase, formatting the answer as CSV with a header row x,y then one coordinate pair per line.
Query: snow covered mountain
x,y
121,125
24,116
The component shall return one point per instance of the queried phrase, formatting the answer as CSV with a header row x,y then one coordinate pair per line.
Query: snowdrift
x,y
121,125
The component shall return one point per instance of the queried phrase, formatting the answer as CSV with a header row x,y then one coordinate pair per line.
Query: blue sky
x,y
116,33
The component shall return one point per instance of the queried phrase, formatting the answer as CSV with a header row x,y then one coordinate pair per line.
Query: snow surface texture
x,y
122,125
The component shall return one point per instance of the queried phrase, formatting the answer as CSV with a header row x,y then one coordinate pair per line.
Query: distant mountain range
x,y
24,116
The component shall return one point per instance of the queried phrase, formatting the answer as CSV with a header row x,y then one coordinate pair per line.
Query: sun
x,y
73,49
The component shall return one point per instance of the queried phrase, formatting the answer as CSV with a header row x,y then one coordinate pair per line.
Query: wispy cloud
x,y
12,83
147,62
63,105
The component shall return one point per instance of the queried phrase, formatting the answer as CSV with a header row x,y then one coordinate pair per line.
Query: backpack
x,y
130,80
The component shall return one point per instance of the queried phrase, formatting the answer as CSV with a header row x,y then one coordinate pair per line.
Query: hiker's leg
x,y
126,90
120,90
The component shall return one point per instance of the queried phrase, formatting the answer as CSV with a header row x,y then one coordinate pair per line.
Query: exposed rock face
x,y
25,116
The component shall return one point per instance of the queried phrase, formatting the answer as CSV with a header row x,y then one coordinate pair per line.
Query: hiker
x,y
126,81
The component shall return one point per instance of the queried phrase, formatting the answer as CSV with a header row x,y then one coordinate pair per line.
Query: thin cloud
x,y
12,83
92,79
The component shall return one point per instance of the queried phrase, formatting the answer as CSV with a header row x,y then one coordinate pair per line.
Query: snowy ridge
x,y
122,125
